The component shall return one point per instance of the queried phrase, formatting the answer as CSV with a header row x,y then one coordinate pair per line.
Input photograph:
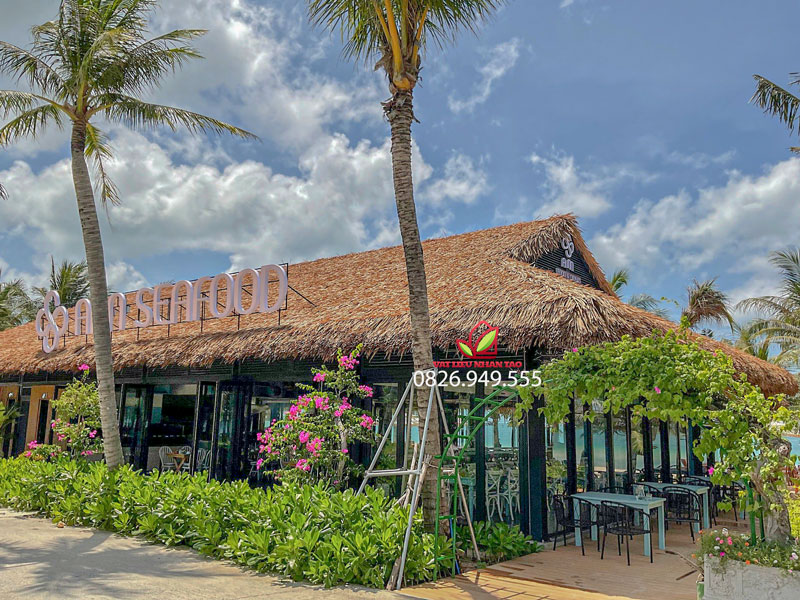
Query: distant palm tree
x,y
621,278
93,61
754,339
393,34
70,280
16,306
8,414
779,319
778,102
706,303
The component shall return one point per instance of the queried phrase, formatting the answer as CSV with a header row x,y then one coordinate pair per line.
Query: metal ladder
x,y
415,471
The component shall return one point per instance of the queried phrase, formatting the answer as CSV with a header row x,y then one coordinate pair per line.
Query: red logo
x,y
482,342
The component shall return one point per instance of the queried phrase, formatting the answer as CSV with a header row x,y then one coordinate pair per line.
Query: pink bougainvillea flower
x,y
319,377
337,413
710,470
27,454
345,451
303,465
83,367
348,362
303,437
366,421
366,390
259,462
321,403
574,349
657,389
92,433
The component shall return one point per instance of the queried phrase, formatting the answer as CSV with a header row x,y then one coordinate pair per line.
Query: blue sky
x,y
633,115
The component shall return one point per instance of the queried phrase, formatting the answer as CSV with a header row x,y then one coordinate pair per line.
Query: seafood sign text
x,y
245,293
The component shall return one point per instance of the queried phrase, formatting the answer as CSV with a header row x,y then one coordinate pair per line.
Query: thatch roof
x,y
362,298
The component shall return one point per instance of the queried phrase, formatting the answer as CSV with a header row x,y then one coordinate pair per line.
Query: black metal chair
x,y
648,489
624,521
714,494
564,510
683,506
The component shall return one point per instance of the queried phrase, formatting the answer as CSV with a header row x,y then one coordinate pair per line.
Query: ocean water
x,y
795,439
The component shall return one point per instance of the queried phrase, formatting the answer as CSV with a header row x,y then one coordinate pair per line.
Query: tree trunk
x,y
400,114
96,271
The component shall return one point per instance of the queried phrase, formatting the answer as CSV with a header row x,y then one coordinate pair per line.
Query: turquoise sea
x,y
795,439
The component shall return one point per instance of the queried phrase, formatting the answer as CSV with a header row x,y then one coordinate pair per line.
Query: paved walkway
x,y
40,561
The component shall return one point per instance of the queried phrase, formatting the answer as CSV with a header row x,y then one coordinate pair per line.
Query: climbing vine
x,y
667,376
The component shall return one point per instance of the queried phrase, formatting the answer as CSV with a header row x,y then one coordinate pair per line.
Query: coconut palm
x,y
16,307
94,61
393,33
778,102
69,280
754,338
779,314
706,303
621,278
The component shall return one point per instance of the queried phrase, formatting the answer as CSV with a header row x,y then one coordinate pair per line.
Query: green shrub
x,y
303,532
497,541
794,514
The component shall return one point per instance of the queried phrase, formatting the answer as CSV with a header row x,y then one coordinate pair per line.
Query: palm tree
x,y
621,278
706,303
16,306
754,338
93,61
392,33
69,280
778,102
779,319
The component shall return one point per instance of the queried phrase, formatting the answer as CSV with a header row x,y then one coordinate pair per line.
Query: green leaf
x,y
486,341
465,349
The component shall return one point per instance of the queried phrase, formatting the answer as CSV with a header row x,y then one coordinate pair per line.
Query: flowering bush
x,y
37,451
312,441
726,546
78,421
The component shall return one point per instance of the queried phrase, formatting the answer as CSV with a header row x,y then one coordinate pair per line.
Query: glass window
x,y
655,434
456,400
384,402
620,440
205,426
599,445
580,447
502,464
171,426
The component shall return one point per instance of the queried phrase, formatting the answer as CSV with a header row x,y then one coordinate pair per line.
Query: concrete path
x,y
40,561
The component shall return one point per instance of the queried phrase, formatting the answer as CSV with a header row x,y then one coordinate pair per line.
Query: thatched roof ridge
x,y
362,298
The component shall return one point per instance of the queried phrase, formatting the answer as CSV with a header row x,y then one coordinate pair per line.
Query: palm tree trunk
x,y
400,113
96,270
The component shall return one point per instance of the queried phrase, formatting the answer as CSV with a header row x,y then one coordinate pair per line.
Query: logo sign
x,y
567,268
242,293
482,342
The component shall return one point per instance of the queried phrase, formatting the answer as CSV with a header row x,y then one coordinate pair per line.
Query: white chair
x,y
493,496
187,452
166,461
203,459
511,492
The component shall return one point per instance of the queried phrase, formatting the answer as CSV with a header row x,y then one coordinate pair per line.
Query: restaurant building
x,y
210,384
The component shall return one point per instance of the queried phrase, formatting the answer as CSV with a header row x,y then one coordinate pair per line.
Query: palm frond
x,y
30,123
138,114
24,65
97,149
707,303
619,279
777,102
649,303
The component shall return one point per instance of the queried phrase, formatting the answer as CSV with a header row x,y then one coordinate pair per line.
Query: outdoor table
x,y
644,504
180,459
701,490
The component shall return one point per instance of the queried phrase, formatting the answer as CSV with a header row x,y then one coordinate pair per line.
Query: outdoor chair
x,y
187,452
203,459
648,490
511,493
683,506
564,511
713,493
624,522
167,463
494,500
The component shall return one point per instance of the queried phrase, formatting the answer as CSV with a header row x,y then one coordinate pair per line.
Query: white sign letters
x,y
165,304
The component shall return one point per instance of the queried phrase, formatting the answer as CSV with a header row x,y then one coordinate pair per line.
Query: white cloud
x,y
569,189
566,3
463,181
732,227
498,61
